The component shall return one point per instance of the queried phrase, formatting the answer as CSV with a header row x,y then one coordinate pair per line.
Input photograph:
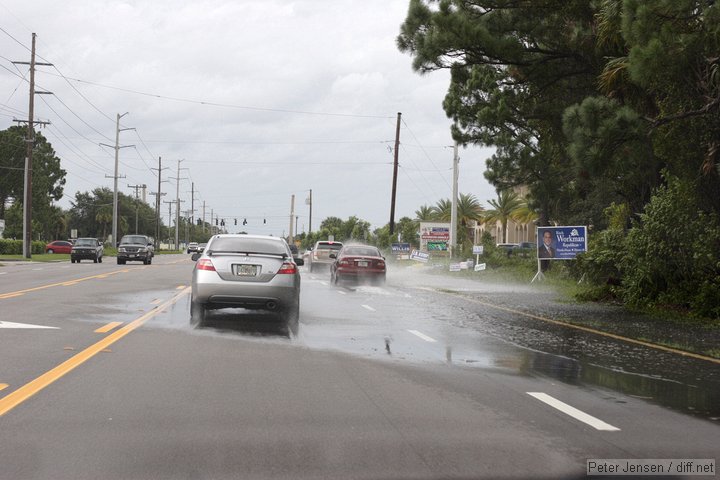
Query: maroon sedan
x,y
58,246
358,262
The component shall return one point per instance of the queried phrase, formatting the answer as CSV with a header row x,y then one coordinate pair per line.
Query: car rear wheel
x,y
292,318
121,262
197,313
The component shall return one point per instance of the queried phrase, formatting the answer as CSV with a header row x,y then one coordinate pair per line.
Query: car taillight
x,y
287,267
381,263
205,264
345,262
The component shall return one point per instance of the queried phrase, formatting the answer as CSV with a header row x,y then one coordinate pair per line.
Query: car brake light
x,y
205,264
287,267
345,262
380,263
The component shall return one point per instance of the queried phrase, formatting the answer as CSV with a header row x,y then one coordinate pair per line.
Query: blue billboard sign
x,y
400,247
561,243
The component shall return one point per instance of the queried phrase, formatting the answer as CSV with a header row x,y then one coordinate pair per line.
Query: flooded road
x,y
428,376
422,318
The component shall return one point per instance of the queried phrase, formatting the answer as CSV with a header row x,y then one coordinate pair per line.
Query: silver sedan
x,y
255,272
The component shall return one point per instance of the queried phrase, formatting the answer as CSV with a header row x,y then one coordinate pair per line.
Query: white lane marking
x,y
423,336
37,269
341,292
573,412
23,325
323,283
3,273
368,307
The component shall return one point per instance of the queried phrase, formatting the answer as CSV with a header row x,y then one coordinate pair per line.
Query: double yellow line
x,y
15,398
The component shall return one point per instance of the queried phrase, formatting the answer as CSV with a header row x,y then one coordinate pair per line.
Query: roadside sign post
x,y
558,243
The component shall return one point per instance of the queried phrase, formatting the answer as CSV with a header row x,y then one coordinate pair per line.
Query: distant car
x,y
526,249
358,262
507,247
254,272
320,254
86,249
192,247
58,246
135,248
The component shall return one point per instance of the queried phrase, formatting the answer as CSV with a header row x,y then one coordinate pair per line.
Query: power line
x,y
225,105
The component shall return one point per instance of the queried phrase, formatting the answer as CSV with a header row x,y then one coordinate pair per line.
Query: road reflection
x,y
246,322
691,396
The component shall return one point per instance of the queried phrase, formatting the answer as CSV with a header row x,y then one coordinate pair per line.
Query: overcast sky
x,y
260,99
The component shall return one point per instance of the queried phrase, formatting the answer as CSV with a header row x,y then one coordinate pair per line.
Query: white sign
x,y
455,267
420,256
73,233
478,249
480,267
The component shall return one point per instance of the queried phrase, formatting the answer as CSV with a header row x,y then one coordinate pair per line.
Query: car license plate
x,y
246,270
362,264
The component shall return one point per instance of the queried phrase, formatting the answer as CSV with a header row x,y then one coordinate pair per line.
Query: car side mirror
x,y
333,255
195,257
299,261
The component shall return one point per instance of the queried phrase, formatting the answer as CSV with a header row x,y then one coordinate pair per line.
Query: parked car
x,y
86,249
358,262
526,249
507,247
255,272
192,247
58,246
320,254
135,248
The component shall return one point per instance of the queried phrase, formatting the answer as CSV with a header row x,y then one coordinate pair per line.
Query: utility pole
x,y
203,221
453,211
170,204
212,232
310,203
30,141
395,174
157,203
177,199
115,177
137,204
292,217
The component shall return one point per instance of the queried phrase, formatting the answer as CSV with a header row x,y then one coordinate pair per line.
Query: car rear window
x,y
366,251
247,245
329,246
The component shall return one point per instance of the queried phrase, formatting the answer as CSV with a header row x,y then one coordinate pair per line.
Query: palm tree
x,y
506,207
424,214
442,210
468,210
104,217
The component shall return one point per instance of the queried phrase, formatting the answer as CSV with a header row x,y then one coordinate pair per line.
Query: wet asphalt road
x,y
425,377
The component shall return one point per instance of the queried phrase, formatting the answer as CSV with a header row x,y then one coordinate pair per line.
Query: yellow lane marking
x,y
180,287
156,301
50,285
17,397
108,327
11,295
3,386
582,328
